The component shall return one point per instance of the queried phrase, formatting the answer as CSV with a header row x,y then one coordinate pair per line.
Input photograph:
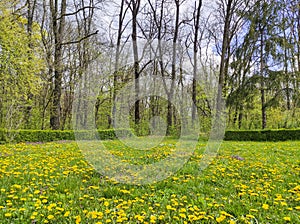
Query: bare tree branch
x,y
81,39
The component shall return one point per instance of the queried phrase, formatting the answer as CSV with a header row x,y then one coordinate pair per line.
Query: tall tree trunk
x,y
117,59
173,72
262,81
224,55
135,9
30,13
195,68
58,26
241,115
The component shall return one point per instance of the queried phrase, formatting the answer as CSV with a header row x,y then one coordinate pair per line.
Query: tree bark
x,y
58,27
135,4
262,81
195,68
173,71
30,13
224,55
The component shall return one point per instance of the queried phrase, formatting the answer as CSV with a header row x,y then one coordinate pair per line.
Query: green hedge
x,y
263,135
50,135
55,135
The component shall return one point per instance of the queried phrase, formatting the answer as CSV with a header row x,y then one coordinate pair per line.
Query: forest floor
x,y
248,182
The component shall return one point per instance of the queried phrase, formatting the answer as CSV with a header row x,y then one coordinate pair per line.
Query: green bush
x,y
56,135
51,135
263,135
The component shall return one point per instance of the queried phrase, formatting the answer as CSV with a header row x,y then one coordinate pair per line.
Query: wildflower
x,y
221,218
152,219
7,215
265,206
169,207
182,210
161,217
286,218
78,219
250,216
226,214
125,191
93,214
182,215
50,217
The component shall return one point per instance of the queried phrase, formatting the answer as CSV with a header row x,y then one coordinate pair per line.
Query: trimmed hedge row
x,y
56,135
263,135
51,135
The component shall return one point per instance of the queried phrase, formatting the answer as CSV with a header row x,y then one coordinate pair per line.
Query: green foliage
x,y
20,65
56,135
263,135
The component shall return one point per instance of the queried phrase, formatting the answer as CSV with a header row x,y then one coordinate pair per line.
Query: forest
x,y
173,59
115,111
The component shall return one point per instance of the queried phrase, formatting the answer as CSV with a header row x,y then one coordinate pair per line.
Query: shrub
x,y
263,135
55,135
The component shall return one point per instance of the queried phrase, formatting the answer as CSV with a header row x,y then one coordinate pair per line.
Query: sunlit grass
x,y
247,182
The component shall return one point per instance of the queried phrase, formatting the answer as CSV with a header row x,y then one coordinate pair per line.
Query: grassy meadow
x,y
248,182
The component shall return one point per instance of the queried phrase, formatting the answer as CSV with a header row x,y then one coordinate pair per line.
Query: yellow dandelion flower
x,y
250,216
125,191
287,218
8,215
93,214
226,214
221,218
152,219
265,206
169,207
182,210
182,215
175,217
50,217
283,203
78,219
17,186
161,217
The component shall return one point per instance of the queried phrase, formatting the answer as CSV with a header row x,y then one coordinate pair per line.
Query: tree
x,y
19,64
134,6
196,46
263,22
58,11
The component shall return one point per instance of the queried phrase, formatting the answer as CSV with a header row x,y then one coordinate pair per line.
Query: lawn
x,y
248,182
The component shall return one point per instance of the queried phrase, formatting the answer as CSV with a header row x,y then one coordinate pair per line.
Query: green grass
x,y
53,183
